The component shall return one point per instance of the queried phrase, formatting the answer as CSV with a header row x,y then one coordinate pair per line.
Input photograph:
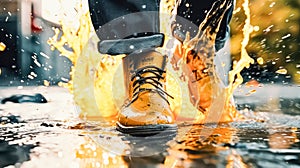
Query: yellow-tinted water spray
x,y
92,73
235,77
99,70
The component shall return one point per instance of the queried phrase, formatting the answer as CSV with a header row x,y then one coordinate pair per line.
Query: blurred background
x,y
274,43
26,25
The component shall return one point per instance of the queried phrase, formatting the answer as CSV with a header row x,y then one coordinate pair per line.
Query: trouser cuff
x,y
127,46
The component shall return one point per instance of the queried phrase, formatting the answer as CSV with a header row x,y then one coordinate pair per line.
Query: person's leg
x,y
199,71
131,27
196,11
117,20
126,26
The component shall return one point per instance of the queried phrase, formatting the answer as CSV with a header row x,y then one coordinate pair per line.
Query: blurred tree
x,y
276,39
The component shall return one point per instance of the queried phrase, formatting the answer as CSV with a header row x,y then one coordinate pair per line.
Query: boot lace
x,y
153,79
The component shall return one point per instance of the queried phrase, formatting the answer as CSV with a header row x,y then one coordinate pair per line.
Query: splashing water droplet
x,y
272,4
44,55
286,36
281,71
260,60
33,74
46,83
2,46
30,77
268,29
37,63
256,28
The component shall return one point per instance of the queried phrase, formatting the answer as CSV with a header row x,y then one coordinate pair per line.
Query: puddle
x,y
35,137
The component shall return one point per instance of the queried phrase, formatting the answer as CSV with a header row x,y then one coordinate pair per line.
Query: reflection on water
x,y
238,144
12,154
91,155
45,135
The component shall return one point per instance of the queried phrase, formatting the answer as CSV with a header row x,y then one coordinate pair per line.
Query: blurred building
x,y
25,27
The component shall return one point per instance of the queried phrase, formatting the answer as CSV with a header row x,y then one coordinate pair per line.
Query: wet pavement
x,y
51,135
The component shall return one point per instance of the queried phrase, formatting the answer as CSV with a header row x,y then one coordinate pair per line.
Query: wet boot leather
x,y
147,104
200,84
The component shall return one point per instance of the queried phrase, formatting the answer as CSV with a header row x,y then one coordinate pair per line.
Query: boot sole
x,y
147,130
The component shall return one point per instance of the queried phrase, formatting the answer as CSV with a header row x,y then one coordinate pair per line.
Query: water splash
x,y
209,90
74,38
92,73
235,77
97,70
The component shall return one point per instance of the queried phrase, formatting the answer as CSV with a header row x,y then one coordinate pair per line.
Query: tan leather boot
x,y
200,84
147,108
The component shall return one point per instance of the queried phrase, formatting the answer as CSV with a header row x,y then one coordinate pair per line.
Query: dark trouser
x,y
124,26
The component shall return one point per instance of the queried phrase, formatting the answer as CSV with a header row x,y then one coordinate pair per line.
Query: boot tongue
x,y
151,58
146,59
